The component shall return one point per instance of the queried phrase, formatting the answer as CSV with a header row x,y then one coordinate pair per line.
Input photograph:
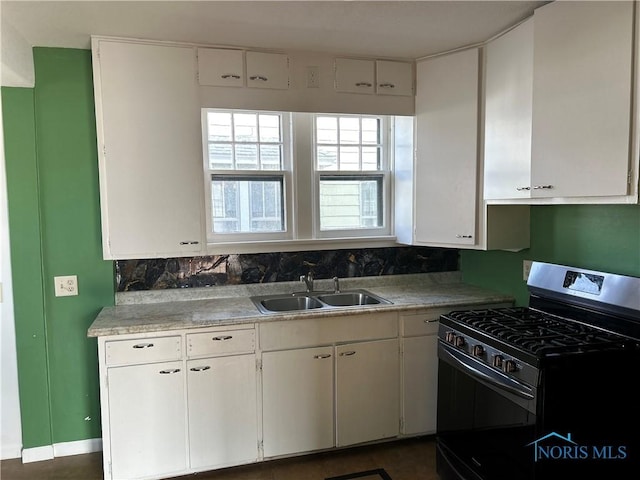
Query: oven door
x,y
485,420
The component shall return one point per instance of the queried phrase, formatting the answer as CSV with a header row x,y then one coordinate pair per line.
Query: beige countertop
x,y
153,311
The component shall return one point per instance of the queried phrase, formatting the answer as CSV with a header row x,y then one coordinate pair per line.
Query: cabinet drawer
x,y
143,350
422,323
221,343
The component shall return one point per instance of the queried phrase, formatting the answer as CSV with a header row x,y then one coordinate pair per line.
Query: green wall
x,y
597,237
54,224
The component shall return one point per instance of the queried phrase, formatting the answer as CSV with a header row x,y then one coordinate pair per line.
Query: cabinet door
x,y
367,391
420,380
220,68
582,98
354,76
223,425
447,149
297,400
394,78
508,107
150,148
147,420
267,70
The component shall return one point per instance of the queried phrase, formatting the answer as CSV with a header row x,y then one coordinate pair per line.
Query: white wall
x,y
10,428
16,58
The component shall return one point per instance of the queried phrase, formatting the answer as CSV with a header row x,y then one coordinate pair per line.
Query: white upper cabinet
x,y
267,70
394,78
582,92
354,76
220,68
226,68
508,107
446,149
150,149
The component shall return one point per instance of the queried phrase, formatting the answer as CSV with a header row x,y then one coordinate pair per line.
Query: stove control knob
x,y
509,366
497,361
450,337
478,350
460,341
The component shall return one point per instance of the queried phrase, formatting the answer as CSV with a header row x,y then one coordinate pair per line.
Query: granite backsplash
x,y
157,274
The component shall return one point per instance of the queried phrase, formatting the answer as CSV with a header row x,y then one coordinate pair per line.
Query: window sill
x,y
301,245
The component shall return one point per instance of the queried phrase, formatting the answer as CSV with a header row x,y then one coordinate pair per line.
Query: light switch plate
x,y
66,286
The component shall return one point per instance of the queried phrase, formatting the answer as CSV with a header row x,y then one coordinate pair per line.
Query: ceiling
x,y
395,29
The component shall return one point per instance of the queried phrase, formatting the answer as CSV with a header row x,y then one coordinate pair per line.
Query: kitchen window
x,y
280,176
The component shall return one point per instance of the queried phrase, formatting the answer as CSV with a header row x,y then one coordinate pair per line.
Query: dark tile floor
x,y
411,459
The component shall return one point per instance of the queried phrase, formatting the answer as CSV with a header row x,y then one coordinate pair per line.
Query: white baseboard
x,y
10,451
63,449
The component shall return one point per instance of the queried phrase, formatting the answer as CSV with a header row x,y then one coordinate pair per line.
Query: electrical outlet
x,y
526,269
313,77
66,286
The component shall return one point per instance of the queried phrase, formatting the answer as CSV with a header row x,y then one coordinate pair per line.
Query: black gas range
x,y
545,391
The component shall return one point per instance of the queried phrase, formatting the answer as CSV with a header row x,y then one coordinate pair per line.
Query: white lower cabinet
x,y
222,407
367,391
147,426
297,400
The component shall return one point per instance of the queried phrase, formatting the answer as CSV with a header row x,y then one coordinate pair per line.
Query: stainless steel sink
x,y
318,300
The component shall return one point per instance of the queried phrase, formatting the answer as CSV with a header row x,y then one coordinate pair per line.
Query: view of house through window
x,y
250,174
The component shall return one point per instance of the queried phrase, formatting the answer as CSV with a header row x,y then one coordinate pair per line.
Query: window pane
x,y
349,130
350,202
247,204
326,130
246,156
327,158
370,130
269,128
270,157
245,127
370,158
220,156
349,158
219,127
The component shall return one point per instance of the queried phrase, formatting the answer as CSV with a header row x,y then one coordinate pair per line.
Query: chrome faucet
x,y
308,281
336,285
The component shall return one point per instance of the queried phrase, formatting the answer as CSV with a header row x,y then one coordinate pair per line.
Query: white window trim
x,y
301,195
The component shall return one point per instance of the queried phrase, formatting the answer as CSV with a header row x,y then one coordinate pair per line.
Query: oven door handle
x,y
461,361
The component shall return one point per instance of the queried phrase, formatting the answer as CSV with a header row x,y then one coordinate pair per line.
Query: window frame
x,y
286,173
384,173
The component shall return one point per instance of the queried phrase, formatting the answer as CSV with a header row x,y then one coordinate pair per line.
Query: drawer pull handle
x,y
170,371
143,345
464,236
521,189
230,75
364,84
543,187
433,320
322,355
258,77
200,369
222,337
387,85
190,242
348,354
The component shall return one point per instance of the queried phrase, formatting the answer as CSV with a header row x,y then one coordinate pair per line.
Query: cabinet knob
x,y
259,77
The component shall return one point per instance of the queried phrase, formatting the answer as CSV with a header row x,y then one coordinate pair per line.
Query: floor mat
x,y
378,474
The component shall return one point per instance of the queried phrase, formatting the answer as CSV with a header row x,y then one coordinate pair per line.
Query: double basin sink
x,y
315,300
